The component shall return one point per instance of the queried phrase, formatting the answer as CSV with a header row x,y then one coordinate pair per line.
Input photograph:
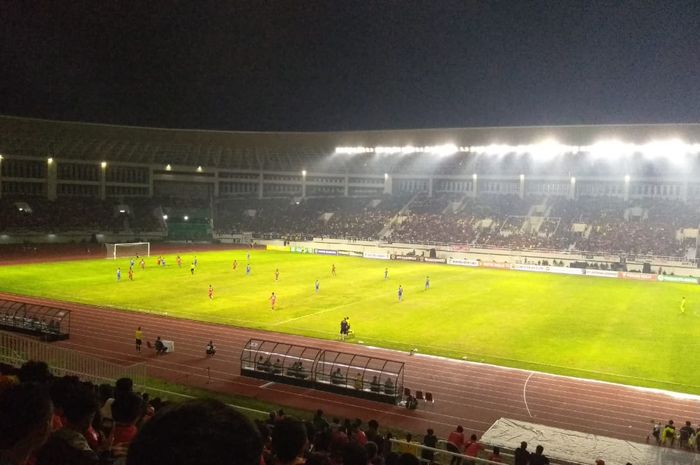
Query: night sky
x,y
307,65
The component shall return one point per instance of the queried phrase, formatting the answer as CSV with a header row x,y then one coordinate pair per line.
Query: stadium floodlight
x,y
474,176
386,176
165,217
445,149
627,179
168,167
353,150
610,149
186,218
522,177
573,179
0,156
199,169
49,160
103,164
303,172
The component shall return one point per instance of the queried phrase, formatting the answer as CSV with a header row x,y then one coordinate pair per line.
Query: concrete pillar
x,y
103,181
347,186
521,190
388,184
150,181
51,179
572,189
0,176
260,185
475,182
626,193
684,191
430,186
303,184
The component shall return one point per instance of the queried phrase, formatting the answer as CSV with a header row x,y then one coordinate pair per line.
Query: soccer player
x,y
427,283
143,264
235,265
317,286
195,261
131,263
247,255
386,273
139,339
192,268
344,328
131,274
333,270
683,305
159,260
247,269
179,261
400,293
273,300
163,262
211,293
119,274
277,274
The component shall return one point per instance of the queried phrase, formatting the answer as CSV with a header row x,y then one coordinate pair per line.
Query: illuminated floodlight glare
x,y
103,164
386,176
610,149
168,167
573,180
474,176
445,149
627,179
522,177
353,150
186,218
0,157
49,160
165,217
549,149
303,172
199,169
121,210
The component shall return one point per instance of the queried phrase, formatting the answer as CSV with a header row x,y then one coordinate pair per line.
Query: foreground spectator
x,y
538,458
522,455
197,432
25,422
68,445
289,441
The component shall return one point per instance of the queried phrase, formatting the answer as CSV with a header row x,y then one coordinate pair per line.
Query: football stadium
x,y
525,282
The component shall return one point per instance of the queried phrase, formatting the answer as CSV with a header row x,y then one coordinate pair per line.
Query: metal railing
x,y
16,350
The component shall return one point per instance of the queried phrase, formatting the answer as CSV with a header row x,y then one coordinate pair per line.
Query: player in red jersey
x,y
131,274
333,270
179,262
143,264
211,293
235,265
273,300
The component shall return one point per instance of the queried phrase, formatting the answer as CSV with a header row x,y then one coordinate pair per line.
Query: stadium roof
x,y
236,149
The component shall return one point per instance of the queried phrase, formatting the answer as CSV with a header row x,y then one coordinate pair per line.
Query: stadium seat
x,y
429,397
419,395
406,392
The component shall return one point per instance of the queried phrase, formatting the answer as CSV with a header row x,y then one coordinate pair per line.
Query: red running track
x,y
470,394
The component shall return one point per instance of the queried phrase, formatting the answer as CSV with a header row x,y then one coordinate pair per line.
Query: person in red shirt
x,y
455,443
472,448
211,293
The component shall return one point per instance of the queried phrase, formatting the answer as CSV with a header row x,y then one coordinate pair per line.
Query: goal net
x,y
128,249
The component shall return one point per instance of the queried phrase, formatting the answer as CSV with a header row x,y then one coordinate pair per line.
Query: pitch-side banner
x,y
600,273
677,279
637,276
462,262
434,260
296,249
407,258
350,253
376,255
326,252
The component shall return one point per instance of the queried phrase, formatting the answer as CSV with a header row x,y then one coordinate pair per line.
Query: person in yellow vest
x,y
139,339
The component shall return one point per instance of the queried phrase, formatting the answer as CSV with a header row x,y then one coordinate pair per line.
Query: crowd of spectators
x,y
47,420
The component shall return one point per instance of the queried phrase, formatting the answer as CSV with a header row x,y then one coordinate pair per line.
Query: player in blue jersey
x,y
119,274
247,269
400,293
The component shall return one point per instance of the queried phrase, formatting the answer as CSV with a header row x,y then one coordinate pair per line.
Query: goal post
x,y
128,249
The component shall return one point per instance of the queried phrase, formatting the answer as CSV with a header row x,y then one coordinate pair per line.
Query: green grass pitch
x,y
622,331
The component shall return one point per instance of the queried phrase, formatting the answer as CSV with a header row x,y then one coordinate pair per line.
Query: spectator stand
x,y
48,323
360,376
275,361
